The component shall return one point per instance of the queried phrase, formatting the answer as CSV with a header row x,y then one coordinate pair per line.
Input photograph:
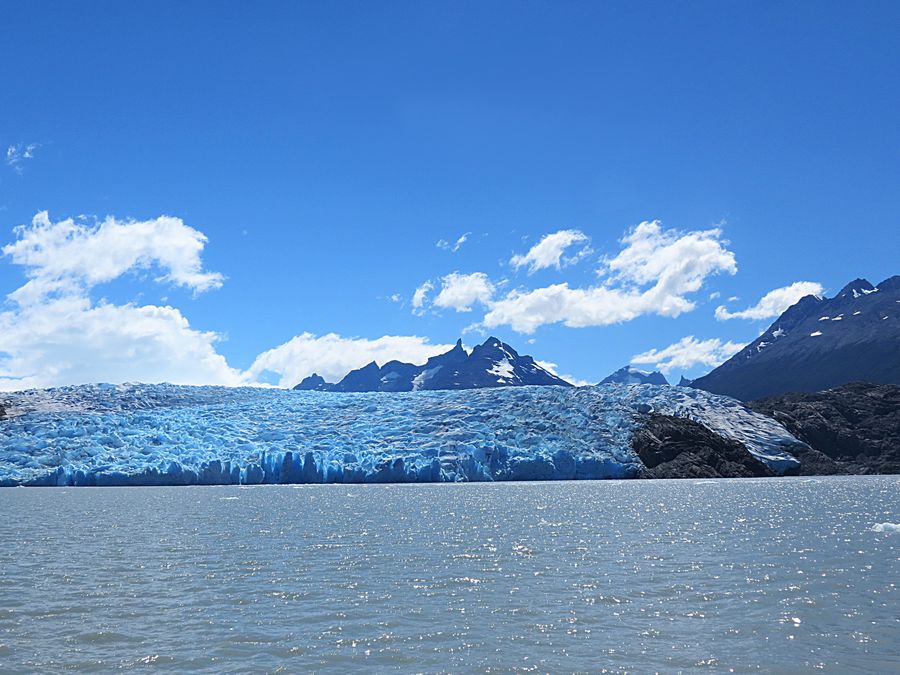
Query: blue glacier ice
x,y
137,434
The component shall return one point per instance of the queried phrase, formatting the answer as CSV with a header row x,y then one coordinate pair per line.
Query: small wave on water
x,y
626,576
886,527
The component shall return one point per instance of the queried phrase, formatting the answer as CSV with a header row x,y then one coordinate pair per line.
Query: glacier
x,y
162,434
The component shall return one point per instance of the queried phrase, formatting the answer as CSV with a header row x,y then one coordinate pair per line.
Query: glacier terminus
x,y
141,434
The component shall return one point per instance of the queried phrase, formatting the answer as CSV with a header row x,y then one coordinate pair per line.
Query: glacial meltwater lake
x,y
745,575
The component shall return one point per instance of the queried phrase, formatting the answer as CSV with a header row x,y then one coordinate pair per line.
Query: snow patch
x,y
503,370
815,334
423,377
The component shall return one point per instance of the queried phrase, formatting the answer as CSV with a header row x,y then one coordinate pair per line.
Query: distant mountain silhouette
x,y
819,343
629,375
491,364
313,382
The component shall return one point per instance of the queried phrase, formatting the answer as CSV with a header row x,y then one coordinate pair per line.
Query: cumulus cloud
x,y
774,302
457,291
652,274
69,340
689,352
549,251
56,334
17,154
69,257
461,291
333,356
454,247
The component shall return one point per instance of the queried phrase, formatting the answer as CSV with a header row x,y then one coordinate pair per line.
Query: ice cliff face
x,y
174,435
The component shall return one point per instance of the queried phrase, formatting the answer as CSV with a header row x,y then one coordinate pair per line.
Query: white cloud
x,y
71,341
333,356
689,352
526,311
461,291
652,274
453,248
774,302
551,367
17,154
56,335
68,257
675,262
420,297
548,252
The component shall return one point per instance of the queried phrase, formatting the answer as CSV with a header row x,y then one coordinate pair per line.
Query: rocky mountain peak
x,y
490,364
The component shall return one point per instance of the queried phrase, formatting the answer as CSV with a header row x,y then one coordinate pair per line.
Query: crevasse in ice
x,y
137,434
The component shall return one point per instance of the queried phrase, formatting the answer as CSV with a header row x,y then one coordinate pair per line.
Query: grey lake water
x,y
767,575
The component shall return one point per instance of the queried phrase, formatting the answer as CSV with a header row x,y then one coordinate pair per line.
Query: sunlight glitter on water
x,y
772,574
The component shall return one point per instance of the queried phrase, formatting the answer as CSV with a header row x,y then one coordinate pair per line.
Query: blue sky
x,y
315,153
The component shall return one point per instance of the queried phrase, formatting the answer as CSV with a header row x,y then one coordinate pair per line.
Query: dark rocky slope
x,y
819,343
853,429
676,447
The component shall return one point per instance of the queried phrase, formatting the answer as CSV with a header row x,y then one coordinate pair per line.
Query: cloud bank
x,y
56,334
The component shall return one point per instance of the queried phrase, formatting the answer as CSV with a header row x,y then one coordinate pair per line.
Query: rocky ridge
x,y
490,364
819,343
852,429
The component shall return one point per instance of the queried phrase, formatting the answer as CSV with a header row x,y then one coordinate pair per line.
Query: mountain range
x,y
819,343
491,364
815,344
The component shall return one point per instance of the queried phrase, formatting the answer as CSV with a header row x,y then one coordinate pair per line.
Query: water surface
x,y
749,575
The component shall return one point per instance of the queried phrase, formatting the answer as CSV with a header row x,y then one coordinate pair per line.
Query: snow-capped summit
x,y
495,364
819,343
630,375
856,289
491,364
